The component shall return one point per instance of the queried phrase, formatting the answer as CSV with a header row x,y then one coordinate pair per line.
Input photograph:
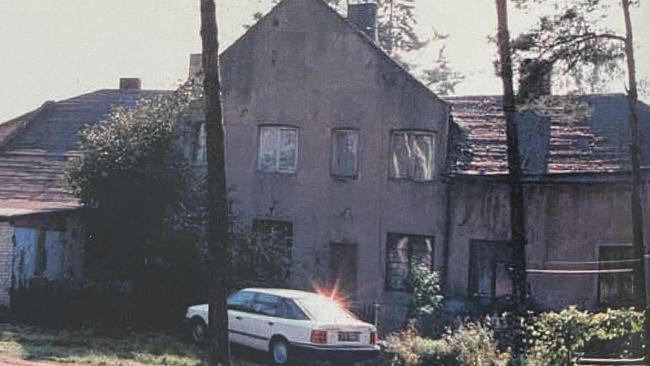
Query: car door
x,y
239,308
293,323
263,319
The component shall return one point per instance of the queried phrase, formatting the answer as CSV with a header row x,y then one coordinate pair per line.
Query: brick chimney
x,y
534,79
130,84
196,64
363,15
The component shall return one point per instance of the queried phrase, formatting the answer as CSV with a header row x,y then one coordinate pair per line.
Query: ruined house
x,y
363,173
41,221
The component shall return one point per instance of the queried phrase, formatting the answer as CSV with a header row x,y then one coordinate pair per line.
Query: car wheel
x,y
198,331
280,352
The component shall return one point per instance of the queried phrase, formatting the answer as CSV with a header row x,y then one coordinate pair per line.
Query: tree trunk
x,y
517,214
637,180
217,197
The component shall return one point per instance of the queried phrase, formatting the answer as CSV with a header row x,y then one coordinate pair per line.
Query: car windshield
x,y
324,309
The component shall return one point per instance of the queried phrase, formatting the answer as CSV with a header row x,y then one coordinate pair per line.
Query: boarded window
x,y
344,153
412,155
489,271
403,253
616,288
343,269
274,242
278,149
37,252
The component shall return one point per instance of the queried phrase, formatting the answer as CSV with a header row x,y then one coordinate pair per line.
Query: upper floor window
x,y
344,152
278,149
412,155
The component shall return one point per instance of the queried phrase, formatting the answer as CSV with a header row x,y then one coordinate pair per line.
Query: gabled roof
x,y
33,156
329,13
551,145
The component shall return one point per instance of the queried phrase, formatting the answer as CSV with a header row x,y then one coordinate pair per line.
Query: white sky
x,y
54,49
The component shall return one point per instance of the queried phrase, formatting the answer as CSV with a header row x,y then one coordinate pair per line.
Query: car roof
x,y
286,293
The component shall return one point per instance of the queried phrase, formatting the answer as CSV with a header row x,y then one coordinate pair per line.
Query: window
x,y
278,149
412,155
489,279
266,304
241,301
617,287
403,253
343,269
274,242
344,153
289,310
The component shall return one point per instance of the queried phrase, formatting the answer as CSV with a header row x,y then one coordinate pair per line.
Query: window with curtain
x,y
412,155
345,144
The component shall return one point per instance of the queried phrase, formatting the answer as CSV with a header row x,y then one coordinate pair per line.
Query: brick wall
x,y
6,254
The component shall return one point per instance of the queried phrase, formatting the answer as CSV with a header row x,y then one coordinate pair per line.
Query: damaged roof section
x,y
572,135
35,147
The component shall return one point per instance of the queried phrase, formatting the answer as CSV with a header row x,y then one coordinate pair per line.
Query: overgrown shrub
x,y
426,301
470,344
559,338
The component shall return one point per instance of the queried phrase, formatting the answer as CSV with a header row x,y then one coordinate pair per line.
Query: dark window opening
x,y
274,243
617,287
403,254
343,269
489,280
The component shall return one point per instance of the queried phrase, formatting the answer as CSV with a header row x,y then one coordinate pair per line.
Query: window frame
x,y
333,152
408,132
473,279
276,169
248,307
409,258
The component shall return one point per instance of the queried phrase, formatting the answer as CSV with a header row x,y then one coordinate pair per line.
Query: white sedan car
x,y
290,324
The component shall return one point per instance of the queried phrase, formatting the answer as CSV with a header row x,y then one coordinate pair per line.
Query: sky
x,y
56,49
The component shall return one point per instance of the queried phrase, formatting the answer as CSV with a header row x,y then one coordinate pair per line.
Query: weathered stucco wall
x,y
566,223
302,66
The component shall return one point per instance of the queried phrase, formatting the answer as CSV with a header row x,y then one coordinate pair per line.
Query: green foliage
x,y
470,344
559,338
136,182
427,293
574,39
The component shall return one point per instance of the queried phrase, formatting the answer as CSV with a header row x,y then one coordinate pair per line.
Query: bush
x,y
426,301
559,338
471,344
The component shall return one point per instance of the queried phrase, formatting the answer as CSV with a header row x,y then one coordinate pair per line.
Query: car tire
x,y
198,331
279,351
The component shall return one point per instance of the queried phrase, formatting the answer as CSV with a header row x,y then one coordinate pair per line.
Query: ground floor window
x,y
274,242
489,265
37,253
616,283
403,253
343,269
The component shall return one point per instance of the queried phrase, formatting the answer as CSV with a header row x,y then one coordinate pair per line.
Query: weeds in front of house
x,y
93,347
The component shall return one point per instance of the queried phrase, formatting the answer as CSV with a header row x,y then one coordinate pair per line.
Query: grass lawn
x,y
95,347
